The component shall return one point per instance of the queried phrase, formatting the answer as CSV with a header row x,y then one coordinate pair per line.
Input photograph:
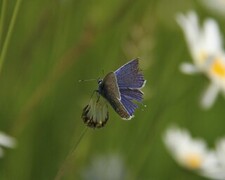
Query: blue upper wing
x,y
129,76
130,80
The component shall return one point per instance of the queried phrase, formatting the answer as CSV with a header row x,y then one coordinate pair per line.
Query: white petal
x,y
189,68
215,175
220,149
189,25
209,96
211,162
6,140
216,165
212,39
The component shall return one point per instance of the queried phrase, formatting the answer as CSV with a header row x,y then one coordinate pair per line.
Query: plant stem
x,y
2,20
62,169
9,33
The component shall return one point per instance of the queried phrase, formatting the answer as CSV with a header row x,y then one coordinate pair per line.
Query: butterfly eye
x,y
99,81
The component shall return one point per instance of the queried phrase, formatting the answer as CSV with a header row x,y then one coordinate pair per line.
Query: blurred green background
x,y
55,43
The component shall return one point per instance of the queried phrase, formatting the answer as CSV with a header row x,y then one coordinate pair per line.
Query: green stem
x,y
9,34
2,20
65,164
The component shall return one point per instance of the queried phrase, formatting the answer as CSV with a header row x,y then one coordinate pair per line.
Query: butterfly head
x,y
99,81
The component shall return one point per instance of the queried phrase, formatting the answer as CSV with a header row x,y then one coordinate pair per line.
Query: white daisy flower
x,y
206,48
193,153
188,152
216,73
218,6
109,167
203,42
216,170
6,141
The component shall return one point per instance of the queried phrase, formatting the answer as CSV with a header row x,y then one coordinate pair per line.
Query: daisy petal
x,y
209,96
188,68
190,27
212,37
7,141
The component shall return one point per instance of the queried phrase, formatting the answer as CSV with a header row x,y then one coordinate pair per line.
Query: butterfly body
x,y
120,88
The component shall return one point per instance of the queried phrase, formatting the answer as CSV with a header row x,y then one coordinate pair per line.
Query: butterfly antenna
x,y
67,160
86,80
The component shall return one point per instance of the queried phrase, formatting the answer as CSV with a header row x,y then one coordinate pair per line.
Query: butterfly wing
x,y
130,80
122,87
129,75
95,114
128,96
132,94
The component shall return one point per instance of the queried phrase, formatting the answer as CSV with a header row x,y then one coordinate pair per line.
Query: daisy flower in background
x,y
220,151
206,48
193,153
188,152
216,73
217,6
110,167
7,142
218,172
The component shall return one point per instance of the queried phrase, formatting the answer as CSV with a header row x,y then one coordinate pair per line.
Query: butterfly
x,y
120,89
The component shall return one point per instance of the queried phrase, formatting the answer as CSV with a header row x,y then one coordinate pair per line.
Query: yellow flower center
x,y
193,161
218,68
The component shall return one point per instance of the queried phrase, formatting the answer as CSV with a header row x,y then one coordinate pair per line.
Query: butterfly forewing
x,y
129,75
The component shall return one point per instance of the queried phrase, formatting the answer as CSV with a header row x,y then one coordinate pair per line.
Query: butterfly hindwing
x,y
95,114
129,105
132,94
128,96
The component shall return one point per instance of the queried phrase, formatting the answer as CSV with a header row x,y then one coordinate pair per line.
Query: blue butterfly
x,y
120,89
